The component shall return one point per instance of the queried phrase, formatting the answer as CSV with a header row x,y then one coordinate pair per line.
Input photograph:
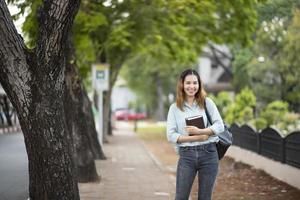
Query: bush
x,y
259,123
275,112
242,110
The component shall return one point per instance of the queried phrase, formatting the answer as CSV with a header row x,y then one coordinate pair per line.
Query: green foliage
x,y
241,76
276,8
175,37
245,98
223,100
265,66
265,80
260,123
241,111
289,123
30,26
275,112
269,37
143,73
289,63
271,66
165,35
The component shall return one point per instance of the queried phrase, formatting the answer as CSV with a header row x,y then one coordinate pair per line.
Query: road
x,y
13,167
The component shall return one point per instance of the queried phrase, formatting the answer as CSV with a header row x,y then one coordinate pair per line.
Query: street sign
x,y
100,73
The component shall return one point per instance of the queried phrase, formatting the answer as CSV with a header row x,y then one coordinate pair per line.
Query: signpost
x,y
100,73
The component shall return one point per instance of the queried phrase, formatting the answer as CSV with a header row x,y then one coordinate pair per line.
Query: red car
x,y
126,114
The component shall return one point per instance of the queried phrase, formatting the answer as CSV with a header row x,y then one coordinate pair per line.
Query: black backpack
x,y
225,137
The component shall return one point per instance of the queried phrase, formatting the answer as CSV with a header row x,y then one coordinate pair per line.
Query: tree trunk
x,y
74,103
106,110
114,72
34,83
160,115
91,128
110,128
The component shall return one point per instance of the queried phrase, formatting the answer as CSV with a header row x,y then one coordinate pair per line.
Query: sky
x,y
13,10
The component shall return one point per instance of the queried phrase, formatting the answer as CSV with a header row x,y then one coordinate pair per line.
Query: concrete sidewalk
x,y
129,173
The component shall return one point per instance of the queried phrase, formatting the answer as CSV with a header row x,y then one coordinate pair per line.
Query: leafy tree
x,y
77,103
289,64
280,9
265,81
261,67
179,35
240,71
153,82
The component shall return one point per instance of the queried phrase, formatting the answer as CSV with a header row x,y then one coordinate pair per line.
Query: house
x,y
214,67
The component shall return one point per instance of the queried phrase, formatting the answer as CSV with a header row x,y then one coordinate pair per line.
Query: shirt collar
x,y
192,106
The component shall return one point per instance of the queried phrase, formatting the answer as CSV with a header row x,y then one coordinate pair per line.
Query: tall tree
x,y
85,147
178,31
34,82
179,28
265,66
289,63
76,101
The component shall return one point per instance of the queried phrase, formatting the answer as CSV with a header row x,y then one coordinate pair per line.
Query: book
x,y
195,121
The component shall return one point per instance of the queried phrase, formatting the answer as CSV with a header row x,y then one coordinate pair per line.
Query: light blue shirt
x,y
176,122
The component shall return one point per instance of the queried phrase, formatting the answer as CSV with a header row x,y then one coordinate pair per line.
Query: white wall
x,y
283,172
121,96
208,74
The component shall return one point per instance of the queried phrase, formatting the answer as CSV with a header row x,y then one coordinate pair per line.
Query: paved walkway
x,y
129,173
13,167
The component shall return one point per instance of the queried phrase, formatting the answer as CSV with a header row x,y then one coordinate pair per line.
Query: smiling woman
x,y
196,146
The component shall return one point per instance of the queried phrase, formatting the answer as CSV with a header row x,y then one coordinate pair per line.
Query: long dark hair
x,y
180,96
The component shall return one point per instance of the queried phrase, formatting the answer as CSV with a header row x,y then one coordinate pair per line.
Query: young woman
x,y
196,147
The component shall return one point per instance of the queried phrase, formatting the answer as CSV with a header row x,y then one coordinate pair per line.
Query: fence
x,y
269,143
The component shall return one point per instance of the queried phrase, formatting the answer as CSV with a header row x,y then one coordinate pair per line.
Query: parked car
x,y
127,114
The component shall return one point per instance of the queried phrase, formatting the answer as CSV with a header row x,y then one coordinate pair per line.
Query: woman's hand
x,y
192,130
200,138
192,138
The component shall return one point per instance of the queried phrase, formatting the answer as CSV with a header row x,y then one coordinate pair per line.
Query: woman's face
x,y
190,85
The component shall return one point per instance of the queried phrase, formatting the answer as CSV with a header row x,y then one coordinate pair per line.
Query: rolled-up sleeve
x,y
217,125
172,134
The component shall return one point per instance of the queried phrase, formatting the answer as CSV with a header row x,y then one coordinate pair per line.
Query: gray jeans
x,y
202,159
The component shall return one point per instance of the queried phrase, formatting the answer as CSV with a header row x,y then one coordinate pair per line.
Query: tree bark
x,y
106,110
114,72
74,103
160,115
87,112
34,83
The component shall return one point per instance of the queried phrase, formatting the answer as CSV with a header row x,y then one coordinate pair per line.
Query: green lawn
x,y
152,132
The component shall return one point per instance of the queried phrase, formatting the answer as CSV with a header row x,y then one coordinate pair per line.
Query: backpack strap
x,y
206,112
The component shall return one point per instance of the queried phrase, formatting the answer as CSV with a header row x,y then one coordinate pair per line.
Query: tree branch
x,y
216,51
55,19
14,70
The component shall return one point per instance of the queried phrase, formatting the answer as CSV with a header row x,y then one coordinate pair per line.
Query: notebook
x,y
195,121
